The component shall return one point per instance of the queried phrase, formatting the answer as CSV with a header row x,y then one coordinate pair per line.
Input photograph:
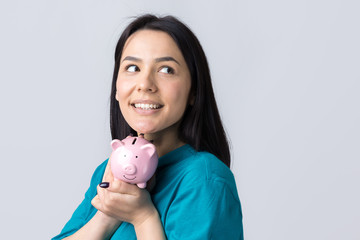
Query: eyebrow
x,y
161,59
165,59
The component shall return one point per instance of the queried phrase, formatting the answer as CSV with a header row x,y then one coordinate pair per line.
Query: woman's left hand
x,y
124,201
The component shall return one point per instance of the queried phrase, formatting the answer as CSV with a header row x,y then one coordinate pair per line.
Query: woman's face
x,y
153,82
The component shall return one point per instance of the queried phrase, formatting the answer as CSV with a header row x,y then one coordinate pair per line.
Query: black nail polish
x,y
104,185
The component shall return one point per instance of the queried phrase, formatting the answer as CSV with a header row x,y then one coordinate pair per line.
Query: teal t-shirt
x,y
195,195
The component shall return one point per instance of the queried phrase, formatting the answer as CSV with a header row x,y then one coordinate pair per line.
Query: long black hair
x,y
201,125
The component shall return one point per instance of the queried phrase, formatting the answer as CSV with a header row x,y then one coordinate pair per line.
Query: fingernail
x,y
104,185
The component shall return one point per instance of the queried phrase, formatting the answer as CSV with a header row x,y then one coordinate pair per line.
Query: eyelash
x,y
132,65
170,69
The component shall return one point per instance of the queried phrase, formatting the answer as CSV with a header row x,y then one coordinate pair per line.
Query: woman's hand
x,y
123,201
120,201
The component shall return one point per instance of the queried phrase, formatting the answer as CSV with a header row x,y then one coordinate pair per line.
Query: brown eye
x,y
132,68
167,70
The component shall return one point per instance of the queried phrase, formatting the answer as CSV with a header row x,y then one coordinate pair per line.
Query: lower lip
x,y
145,112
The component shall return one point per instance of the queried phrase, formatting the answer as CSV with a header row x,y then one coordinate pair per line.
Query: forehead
x,y
154,43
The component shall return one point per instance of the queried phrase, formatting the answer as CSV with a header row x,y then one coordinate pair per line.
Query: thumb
x,y
108,175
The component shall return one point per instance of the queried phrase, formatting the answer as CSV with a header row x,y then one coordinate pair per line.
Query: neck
x,y
164,142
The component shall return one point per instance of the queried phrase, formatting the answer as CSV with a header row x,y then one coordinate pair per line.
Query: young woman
x,y
162,88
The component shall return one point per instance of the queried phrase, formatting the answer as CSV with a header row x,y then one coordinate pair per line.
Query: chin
x,y
145,129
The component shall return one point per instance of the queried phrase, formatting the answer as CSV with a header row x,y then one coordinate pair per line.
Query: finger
x,y
96,202
105,199
108,176
105,176
118,186
100,193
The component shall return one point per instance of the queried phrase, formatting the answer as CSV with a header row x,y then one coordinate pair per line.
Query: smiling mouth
x,y
146,106
129,178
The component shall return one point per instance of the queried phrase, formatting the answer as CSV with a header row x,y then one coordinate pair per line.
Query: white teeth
x,y
146,106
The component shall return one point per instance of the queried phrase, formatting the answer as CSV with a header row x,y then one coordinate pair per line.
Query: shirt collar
x,y
176,155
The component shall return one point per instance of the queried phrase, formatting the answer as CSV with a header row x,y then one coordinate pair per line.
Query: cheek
x,y
123,89
180,94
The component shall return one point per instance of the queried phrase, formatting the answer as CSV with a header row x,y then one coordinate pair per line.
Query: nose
x,y
129,168
146,82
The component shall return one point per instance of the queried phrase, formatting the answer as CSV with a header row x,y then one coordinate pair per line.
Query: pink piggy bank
x,y
133,160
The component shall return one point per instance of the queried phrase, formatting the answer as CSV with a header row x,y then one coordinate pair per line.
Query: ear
x,y
148,148
116,96
116,143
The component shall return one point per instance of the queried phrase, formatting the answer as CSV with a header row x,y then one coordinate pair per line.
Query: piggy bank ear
x,y
148,148
116,143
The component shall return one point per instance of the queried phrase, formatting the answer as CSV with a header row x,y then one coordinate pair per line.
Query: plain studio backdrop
x,y
287,81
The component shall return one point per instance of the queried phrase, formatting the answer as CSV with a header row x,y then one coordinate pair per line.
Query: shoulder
x,y
207,167
211,166
205,170
205,194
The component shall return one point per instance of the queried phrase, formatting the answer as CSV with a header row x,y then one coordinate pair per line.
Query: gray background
x,y
286,77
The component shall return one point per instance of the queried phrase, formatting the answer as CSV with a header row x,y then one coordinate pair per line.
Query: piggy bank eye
x,y
124,155
136,156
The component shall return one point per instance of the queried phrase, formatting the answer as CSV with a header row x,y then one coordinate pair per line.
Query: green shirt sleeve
x,y
207,210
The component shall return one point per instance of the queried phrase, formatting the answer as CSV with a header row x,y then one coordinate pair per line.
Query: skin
x,y
152,71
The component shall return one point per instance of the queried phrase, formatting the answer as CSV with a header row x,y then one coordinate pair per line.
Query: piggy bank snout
x,y
129,168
